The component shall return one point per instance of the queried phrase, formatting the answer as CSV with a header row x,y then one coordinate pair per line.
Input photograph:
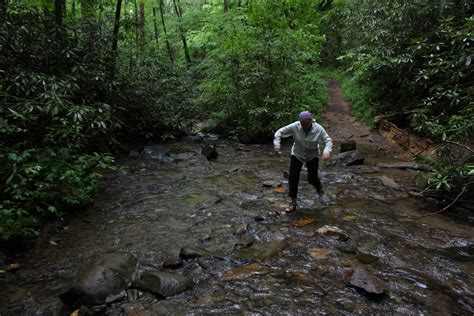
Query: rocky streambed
x,y
219,225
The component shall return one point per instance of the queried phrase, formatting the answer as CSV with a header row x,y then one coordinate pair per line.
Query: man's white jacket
x,y
306,144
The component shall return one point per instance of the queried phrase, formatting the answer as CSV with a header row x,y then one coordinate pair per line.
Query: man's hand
x,y
326,156
277,151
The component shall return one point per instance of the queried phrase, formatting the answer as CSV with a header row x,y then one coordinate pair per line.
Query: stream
x,y
169,196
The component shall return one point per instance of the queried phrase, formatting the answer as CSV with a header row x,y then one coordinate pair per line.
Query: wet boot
x,y
320,189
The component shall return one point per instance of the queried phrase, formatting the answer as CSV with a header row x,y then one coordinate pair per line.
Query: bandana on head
x,y
306,116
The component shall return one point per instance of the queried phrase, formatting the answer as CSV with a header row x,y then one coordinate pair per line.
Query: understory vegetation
x,y
412,58
82,79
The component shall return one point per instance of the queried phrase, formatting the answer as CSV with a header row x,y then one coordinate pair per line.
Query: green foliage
x,y
413,57
156,101
258,75
62,111
363,103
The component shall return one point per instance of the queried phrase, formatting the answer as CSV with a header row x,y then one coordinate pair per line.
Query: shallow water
x,y
155,205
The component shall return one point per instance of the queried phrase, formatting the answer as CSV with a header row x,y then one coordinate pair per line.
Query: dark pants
x,y
295,170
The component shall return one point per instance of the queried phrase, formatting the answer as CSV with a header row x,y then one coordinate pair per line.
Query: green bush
x,y
260,76
62,111
412,57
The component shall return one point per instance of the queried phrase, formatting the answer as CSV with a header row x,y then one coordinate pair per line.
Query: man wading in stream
x,y
307,134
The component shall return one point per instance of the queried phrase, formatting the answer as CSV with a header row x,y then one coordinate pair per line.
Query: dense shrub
x,y
63,111
260,76
413,57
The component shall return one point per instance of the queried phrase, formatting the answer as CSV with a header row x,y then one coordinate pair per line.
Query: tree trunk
x,y
64,7
137,28
115,37
154,25
181,34
58,12
3,8
142,25
164,30
226,5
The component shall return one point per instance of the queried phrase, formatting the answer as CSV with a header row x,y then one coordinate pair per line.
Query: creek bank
x,y
158,205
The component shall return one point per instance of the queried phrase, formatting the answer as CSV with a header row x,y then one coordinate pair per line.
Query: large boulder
x,y
164,284
105,280
348,158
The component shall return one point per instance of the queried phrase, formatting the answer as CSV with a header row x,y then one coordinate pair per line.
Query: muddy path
x,y
169,196
342,126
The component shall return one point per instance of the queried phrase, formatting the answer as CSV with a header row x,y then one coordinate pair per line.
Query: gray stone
x,y
371,284
333,231
264,251
104,281
163,283
183,156
348,158
405,165
388,182
271,184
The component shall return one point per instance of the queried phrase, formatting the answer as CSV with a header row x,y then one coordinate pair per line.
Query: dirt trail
x,y
390,145
341,126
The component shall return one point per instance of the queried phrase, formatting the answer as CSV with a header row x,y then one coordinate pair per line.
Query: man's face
x,y
306,124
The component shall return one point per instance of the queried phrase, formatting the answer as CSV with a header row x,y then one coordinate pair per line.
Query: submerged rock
x,y
319,253
302,222
263,251
189,252
163,283
348,158
240,229
371,284
366,258
244,272
271,184
172,263
333,231
245,241
104,281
